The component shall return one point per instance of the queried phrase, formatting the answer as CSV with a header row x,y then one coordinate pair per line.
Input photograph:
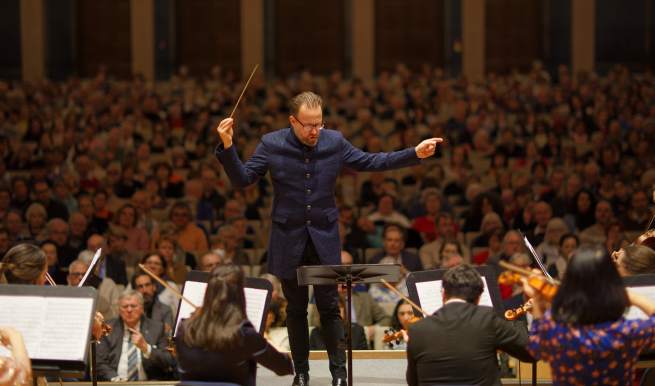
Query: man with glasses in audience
x,y
304,162
54,208
76,271
152,307
209,261
135,350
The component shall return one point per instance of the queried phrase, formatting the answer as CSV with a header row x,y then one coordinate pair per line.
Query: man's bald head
x,y
94,243
346,258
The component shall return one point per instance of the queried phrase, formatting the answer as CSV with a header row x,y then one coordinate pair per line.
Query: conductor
x,y
305,161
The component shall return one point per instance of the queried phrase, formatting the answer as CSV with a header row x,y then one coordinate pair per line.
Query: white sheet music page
x,y
429,294
65,330
255,305
195,292
635,312
52,328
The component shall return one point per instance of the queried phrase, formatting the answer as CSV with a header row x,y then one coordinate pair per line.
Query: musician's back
x,y
457,345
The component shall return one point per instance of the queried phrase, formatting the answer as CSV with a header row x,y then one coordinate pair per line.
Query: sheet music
x,y
255,305
52,328
195,292
635,312
429,294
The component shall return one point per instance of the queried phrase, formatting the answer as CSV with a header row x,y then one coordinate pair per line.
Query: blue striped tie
x,y
132,362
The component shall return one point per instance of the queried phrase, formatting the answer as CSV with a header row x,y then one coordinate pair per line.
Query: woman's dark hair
x,y
494,200
539,164
584,220
450,242
120,212
498,152
569,236
639,260
592,291
395,322
463,282
22,265
215,326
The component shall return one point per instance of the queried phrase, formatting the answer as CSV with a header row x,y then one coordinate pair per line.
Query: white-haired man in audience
x,y
209,261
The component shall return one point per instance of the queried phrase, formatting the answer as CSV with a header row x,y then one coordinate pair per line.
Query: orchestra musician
x,y
459,342
304,162
219,333
24,264
584,335
17,369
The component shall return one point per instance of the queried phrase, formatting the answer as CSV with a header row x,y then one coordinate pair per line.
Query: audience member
x,y
191,238
58,275
425,225
166,247
58,233
595,234
541,215
233,254
209,261
380,292
157,265
394,244
95,224
54,208
137,238
387,214
430,253
77,234
152,307
133,332
638,215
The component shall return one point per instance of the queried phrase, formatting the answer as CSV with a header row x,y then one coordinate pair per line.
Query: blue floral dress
x,y
600,354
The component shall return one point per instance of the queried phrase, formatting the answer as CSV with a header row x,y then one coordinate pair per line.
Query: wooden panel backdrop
x,y
409,32
309,34
513,30
104,37
208,33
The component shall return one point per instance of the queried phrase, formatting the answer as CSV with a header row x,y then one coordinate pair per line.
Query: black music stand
x,y
348,274
55,367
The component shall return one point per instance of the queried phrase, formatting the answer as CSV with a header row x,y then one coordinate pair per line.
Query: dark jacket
x,y
109,350
457,345
304,179
411,261
160,312
116,270
238,365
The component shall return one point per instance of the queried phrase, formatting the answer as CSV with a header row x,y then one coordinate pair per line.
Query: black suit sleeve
x,y
412,374
121,272
510,341
267,355
359,338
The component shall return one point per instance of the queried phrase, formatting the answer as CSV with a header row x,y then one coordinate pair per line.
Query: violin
x,y
540,283
647,239
396,335
515,314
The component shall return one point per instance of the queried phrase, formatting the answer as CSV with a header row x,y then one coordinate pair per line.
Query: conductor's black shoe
x,y
301,380
340,382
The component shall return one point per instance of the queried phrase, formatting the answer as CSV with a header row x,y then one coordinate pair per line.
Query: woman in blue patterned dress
x,y
584,335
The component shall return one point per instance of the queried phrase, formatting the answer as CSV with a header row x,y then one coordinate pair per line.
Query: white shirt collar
x,y
455,300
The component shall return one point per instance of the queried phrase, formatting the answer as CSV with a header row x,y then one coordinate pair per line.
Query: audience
x,y
394,244
209,261
152,307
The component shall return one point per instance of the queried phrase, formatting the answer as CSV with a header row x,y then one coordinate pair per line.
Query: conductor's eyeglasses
x,y
318,126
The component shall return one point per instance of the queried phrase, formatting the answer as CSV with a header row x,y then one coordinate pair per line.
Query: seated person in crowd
x,y
233,254
394,244
381,293
110,266
152,307
430,253
447,248
451,261
434,352
58,235
95,224
166,247
209,261
276,337
135,350
157,265
490,221
386,212
77,234
142,201
364,235
76,272
54,208
425,225
494,240
541,215
57,274
240,225
317,340
137,239
191,238
638,215
277,298
116,238
402,314
595,234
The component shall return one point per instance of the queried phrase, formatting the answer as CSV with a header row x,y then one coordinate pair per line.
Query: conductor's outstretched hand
x,y
225,131
425,148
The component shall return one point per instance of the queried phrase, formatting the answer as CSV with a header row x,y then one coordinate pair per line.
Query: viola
x,y
515,314
647,239
396,335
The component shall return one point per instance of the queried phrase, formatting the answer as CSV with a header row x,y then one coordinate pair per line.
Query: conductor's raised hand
x,y
427,147
226,132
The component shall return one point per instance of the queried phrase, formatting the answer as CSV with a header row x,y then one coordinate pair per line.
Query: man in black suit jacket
x,y
152,307
113,268
458,343
393,243
132,329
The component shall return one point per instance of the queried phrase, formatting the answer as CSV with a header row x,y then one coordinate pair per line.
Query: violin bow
x,y
49,278
244,91
403,296
163,282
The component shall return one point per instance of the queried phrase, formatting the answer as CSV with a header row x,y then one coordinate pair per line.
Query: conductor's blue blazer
x,y
304,178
